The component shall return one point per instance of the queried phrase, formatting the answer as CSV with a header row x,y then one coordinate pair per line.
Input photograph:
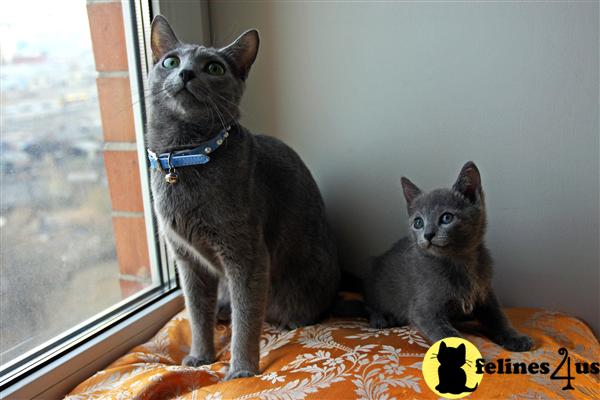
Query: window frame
x,y
55,367
57,376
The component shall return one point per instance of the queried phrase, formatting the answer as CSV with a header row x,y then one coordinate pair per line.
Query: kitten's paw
x,y
240,373
193,361
517,343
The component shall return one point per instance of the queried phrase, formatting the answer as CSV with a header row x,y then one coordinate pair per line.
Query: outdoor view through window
x,y
58,262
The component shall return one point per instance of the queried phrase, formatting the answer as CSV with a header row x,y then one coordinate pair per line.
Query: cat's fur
x,y
251,221
452,378
441,272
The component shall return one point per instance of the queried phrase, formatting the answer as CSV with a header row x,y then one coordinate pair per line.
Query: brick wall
x,y
120,155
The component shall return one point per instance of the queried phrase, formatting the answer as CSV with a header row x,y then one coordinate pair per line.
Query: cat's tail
x,y
468,389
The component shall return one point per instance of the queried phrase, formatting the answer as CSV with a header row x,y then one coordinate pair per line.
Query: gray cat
x,y
247,228
441,272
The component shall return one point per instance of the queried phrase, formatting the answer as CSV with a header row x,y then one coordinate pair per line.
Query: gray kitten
x,y
248,227
441,272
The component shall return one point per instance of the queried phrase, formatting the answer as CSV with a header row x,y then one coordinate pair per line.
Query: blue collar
x,y
198,155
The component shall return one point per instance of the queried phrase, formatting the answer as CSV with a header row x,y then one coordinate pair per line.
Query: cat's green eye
x,y
446,218
418,223
171,62
215,68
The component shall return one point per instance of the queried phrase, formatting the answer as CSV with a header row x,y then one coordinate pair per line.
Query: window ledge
x,y
57,378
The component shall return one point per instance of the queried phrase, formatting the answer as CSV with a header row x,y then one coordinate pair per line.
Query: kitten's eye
x,y
418,223
171,62
446,218
215,68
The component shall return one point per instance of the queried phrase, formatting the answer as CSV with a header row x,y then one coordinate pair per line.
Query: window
x,y
76,252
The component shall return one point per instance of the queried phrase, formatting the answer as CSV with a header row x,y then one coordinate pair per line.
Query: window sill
x,y
57,378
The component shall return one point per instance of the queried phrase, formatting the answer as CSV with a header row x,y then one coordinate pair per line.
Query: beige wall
x,y
367,93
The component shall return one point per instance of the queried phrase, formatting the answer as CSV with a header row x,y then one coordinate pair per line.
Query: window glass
x,y
58,261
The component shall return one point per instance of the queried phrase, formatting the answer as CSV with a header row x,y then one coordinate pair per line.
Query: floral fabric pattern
x,y
341,359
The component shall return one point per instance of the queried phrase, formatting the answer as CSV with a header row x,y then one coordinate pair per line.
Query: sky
x,y
55,26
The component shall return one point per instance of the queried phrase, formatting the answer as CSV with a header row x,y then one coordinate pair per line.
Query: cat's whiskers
x,y
225,110
147,94
221,117
212,114
216,107
219,114
225,99
209,93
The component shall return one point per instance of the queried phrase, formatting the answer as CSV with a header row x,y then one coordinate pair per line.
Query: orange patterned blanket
x,y
343,359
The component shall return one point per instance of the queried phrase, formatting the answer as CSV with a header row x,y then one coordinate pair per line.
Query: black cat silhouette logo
x,y
449,368
450,373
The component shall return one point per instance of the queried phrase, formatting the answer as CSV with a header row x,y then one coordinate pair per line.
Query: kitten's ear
x,y
442,346
411,191
162,37
243,51
469,182
462,349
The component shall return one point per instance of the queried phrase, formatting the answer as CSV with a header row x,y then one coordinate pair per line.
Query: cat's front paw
x,y
240,373
194,361
517,343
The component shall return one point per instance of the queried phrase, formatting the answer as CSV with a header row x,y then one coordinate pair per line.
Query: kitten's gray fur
x,y
441,272
249,227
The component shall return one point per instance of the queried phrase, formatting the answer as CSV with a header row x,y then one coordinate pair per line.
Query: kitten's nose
x,y
186,75
429,235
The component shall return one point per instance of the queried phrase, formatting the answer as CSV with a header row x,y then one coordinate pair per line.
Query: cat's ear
x,y
462,350
411,191
162,37
243,51
442,346
469,182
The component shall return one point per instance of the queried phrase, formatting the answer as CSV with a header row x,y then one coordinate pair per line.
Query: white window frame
x,y
56,378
